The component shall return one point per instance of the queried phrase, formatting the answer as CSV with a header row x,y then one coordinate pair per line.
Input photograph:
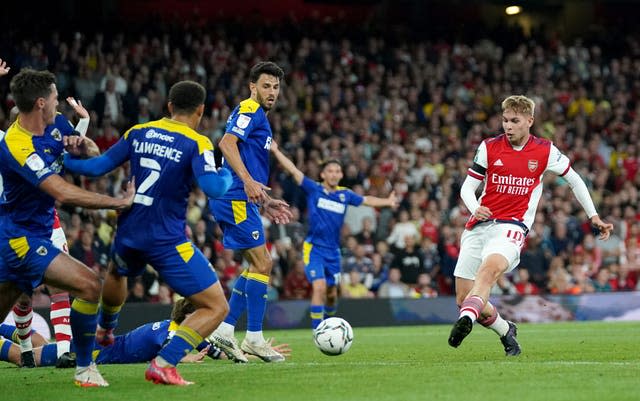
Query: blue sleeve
x,y
242,124
308,185
354,198
35,169
63,125
97,166
7,331
215,184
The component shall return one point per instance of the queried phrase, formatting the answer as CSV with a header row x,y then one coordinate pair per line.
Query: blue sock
x,y
183,341
84,317
256,300
238,300
8,331
109,316
317,313
5,346
330,311
49,355
11,332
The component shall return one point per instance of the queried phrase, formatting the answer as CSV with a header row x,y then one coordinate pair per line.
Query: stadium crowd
x,y
403,115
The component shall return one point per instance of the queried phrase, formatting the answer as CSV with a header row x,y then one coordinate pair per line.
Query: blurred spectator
x,y
296,285
108,104
359,262
402,112
366,237
401,230
409,260
424,287
89,252
137,293
504,287
394,287
355,216
534,260
164,295
602,281
353,287
107,136
524,286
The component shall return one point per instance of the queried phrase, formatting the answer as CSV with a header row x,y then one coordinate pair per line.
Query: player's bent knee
x,y
320,286
89,289
222,310
24,301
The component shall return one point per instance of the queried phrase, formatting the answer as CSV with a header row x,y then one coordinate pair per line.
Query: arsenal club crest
x,y
533,165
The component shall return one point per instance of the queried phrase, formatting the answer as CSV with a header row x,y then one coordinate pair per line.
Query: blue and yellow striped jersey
x,y
50,145
24,209
326,212
166,158
249,123
139,345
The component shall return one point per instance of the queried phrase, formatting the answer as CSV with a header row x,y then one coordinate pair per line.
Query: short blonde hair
x,y
520,104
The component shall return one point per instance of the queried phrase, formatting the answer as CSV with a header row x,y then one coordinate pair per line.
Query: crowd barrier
x,y
441,310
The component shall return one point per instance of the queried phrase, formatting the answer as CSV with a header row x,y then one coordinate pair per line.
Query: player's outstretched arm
x,y
605,228
90,147
96,166
581,193
65,192
286,163
215,184
374,201
256,192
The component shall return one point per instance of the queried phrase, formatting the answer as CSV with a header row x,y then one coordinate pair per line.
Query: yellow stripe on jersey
x,y
306,252
189,335
239,211
19,142
248,106
263,278
245,273
186,251
20,246
173,326
178,127
84,307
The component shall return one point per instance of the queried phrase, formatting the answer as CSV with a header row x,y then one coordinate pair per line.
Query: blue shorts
x,y
240,222
181,265
321,263
24,260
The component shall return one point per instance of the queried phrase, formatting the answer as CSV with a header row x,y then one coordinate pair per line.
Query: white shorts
x,y
487,239
59,239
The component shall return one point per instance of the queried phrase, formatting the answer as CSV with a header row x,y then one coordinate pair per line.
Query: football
x,y
333,336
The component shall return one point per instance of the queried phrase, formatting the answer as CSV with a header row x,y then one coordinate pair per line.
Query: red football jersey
x,y
513,176
56,219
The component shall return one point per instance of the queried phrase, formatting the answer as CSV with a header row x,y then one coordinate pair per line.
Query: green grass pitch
x,y
562,361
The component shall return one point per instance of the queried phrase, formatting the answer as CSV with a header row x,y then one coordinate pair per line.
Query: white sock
x,y
23,318
226,329
500,326
469,314
255,337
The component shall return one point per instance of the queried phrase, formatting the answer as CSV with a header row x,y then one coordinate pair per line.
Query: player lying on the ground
x,y
139,345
